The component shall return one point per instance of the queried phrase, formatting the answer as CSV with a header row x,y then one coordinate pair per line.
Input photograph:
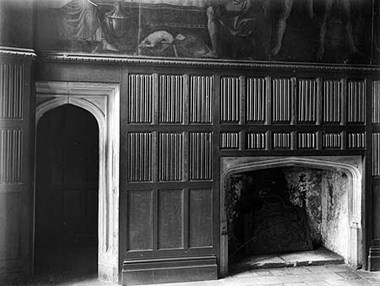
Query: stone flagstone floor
x,y
327,275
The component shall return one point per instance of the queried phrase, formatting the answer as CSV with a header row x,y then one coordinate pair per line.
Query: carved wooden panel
x,y
170,219
356,140
307,101
229,140
281,140
376,102
10,156
331,140
200,221
332,101
230,99
281,100
140,220
171,156
256,141
201,99
376,154
171,98
356,101
11,91
200,155
10,224
140,99
256,100
140,156
306,140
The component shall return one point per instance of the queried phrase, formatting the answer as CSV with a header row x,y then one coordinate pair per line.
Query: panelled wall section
x,y
179,125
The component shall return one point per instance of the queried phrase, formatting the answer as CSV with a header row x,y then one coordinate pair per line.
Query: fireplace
x,y
272,205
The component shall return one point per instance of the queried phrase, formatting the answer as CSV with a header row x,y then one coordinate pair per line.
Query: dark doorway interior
x,y
66,228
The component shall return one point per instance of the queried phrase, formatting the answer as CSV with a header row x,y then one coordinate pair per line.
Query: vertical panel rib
x,y
200,156
140,157
140,101
256,91
171,98
256,140
306,140
170,157
230,99
376,154
281,140
356,102
10,156
201,90
229,140
332,103
281,100
11,86
331,140
307,101
376,102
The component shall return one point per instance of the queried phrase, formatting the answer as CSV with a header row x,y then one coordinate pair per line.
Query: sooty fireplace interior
x,y
283,205
283,210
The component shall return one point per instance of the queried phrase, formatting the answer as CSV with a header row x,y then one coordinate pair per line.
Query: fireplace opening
x,y
290,209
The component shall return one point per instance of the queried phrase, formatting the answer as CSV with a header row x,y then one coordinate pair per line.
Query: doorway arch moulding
x,y
102,100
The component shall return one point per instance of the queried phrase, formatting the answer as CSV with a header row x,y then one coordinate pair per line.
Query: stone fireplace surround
x,y
352,166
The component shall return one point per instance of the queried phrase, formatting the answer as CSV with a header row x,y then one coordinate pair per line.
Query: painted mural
x,y
333,31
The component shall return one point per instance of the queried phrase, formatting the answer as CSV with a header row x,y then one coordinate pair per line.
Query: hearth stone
x,y
321,256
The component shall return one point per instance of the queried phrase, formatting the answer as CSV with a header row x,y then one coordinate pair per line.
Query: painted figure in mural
x,y
237,19
80,21
228,17
344,21
281,10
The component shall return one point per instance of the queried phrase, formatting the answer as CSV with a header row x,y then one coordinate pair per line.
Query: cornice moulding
x,y
202,63
18,52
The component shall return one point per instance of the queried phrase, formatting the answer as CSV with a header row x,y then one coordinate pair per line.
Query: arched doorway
x,y
67,176
102,101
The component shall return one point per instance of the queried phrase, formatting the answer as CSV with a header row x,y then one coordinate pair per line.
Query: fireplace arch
x,y
352,166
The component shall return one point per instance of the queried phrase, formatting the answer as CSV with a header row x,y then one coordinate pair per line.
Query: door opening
x,y
67,176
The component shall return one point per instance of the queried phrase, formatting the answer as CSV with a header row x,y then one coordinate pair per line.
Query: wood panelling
x,y
170,219
376,102
229,140
140,220
281,100
256,100
356,93
10,224
230,99
307,101
10,155
140,157
171,156
281,140
332,101
376,154
332,140
172,163
200,221
140,99
306,140
171,98
201,98
11,90
356,140
200,146
256,140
